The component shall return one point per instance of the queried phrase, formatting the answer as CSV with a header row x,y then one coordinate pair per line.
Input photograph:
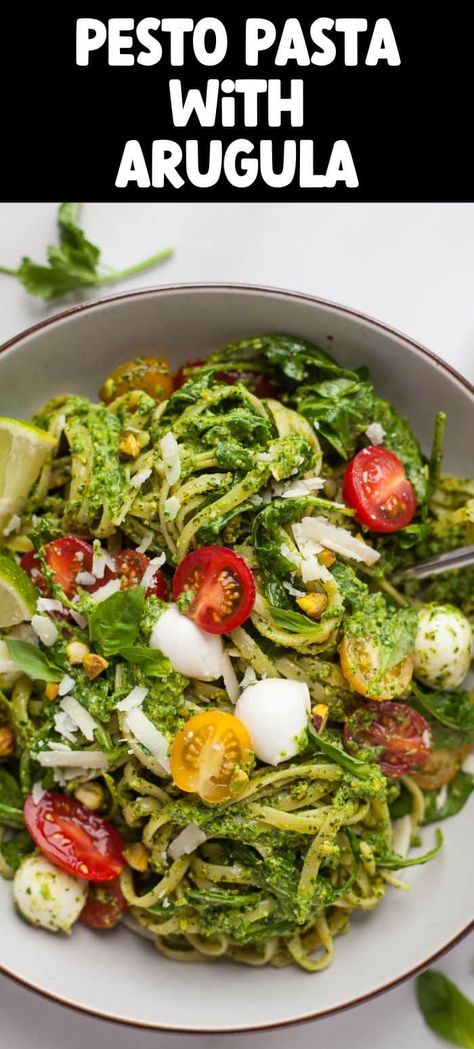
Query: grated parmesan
x,y
80,716
376,433
140,477
171,507
189,840
63,757
134,699
45,629
146,733
340,540
170,454
106,591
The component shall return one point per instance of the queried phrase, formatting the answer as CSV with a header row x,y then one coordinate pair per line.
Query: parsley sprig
x,y
74,263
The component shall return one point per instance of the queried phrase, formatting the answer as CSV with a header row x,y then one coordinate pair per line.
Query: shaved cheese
x,y
171,507
293,590
307,547
311,570
37,792
45,629
441,798
149,574
80,716
249,678
230,678
106,591
77,759
468,764
65,726
12,525
140,477
85,579
134,699
100,562
145,543
170,453
65,685
376,433
189,840
49,604
338,539
149,736
401,835
78,618
290,554
303,486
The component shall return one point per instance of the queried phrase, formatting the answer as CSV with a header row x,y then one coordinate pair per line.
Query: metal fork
x,y
454,559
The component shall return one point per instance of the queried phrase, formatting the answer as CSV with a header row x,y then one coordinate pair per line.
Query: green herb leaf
x,y
453,709
15,848
359,768
115,622
445,1009
10,793
293,621
457,793
152,662
391,860
73,264
32,661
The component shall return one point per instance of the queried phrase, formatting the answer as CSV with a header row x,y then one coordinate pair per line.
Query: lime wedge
x,y
23,451
18,596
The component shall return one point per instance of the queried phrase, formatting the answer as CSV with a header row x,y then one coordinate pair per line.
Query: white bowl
x,y
117,975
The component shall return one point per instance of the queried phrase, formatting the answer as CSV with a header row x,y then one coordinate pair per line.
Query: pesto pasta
x,y
221,711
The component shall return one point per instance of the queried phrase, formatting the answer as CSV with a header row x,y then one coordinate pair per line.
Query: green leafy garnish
x,y
150,660
359,768
392,861
73,264
32,661
457,793
445,1009
453,709
115,622
11,801
295,622
16,847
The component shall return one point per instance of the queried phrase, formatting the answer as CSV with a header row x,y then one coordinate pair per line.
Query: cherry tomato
x,y
210,754
378,490
393,732
104,906
441,768
66,557
220,587
74,838
152,375
360,665
257,382
129,567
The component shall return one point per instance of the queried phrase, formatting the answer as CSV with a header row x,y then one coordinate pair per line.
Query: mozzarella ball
x,y
275,713
191,651
443,646
46,896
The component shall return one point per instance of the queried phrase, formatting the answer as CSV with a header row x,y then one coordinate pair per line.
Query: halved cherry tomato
x,y
220,587
360,665
378,490
74,838
210,755
442,767
257,382
129,567
104,906
66,557
152,375
394,733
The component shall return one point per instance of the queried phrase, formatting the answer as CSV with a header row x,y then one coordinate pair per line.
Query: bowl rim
x,y
347,311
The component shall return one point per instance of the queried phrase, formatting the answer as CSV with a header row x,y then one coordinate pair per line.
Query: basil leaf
x,y
392,861
359,768
293,621
10,793
458,792
454,709
115,622
445,1009
150,660
17,846
32,661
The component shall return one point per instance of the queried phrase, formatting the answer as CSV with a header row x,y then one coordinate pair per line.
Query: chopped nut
x,y
90,794
137,856
7,741
129,446
76,651
51,691
326,558
313,604
94,665
320,714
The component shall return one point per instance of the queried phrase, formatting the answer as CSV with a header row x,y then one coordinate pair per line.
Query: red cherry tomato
x,y
394,733
74,838
259,383
66,557
104,906
377,488
129,567
220,586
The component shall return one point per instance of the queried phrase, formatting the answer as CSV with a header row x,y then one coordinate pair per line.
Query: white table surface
x,y
409,265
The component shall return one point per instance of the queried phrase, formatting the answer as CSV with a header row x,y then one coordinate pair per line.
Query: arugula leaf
x,y
340,408
151,660
32,661
453,709
458,792
445,1009
400,439
15,848
359,768
73,264
392,861
11,800
115,622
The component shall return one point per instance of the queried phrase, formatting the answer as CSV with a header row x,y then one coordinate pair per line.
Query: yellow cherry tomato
x,y
152,375
210,756
360,666
441,768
